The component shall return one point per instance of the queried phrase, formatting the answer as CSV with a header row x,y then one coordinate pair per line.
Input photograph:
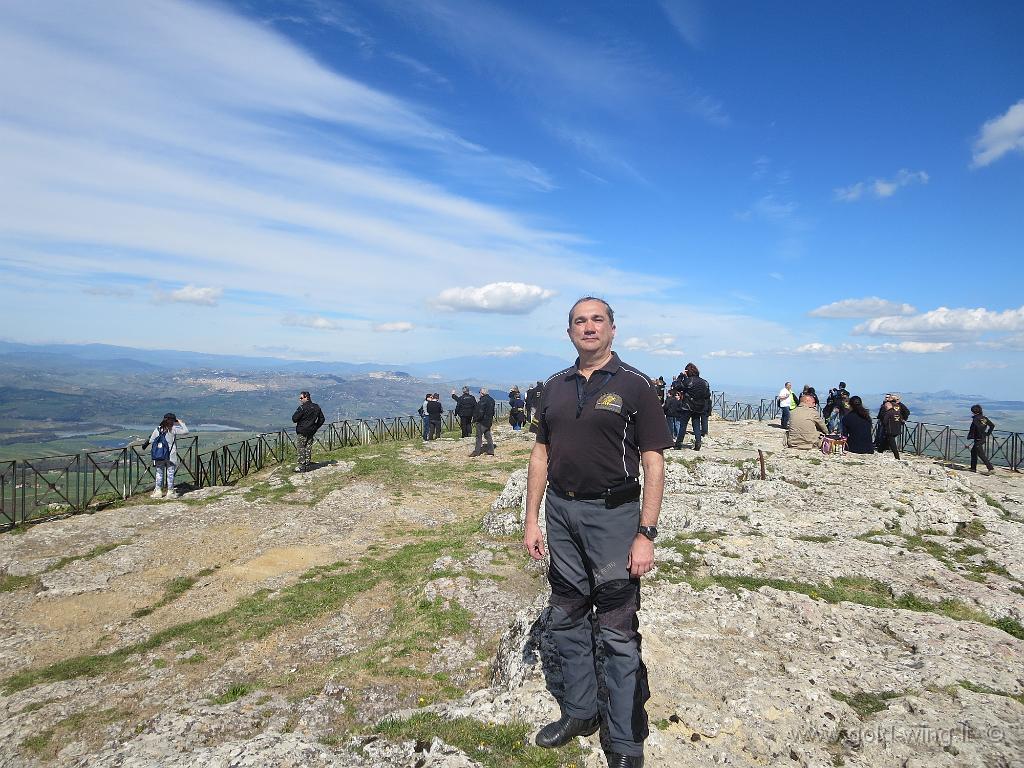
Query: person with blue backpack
x,y
164,453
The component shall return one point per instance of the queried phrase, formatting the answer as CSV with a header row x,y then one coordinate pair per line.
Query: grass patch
x,y
174,589
485,485
9,583
866,704
853,589
234,693
978,688
798,483
975,529
815,461
815,539
41,744
494,746
92,553
321,591
993,503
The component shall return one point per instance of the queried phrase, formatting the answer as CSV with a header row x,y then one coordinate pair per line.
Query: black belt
x,y
613,497
574,495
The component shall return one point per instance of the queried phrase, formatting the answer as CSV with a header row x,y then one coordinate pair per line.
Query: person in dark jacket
x,y
434,412
673,409
308,419
533,399
483,419
517,412
464,405
892,426
981,428
857,427
695,397
659,387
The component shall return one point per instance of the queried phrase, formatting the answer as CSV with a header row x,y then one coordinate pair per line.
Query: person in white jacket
x,y
170,426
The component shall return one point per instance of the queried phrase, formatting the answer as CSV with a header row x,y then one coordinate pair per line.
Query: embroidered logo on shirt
x,y
609,402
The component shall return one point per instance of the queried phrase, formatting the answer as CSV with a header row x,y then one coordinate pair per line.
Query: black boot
x,y
565,729
615,760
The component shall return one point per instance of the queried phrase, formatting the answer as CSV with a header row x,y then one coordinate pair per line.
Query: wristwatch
x,y
650,531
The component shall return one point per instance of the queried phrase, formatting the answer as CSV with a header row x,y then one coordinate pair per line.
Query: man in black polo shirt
x,y
597,422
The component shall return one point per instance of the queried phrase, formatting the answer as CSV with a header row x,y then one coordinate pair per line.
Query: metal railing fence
x,y
1004,449
31,489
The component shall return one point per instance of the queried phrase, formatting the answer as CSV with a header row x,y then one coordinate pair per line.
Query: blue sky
x,y
780,191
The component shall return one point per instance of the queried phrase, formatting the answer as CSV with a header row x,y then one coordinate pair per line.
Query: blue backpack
x,y
161,450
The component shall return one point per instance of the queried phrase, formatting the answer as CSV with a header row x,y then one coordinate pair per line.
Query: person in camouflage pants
x,y
308,419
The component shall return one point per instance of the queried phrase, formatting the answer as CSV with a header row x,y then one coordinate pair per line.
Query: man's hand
x,y
533,540
641,556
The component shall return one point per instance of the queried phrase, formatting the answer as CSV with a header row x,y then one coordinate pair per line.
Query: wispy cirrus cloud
x,y
234,147
872,306
687,20
506,298
999,136
537,61
881,188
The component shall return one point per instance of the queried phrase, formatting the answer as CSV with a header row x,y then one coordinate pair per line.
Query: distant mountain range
x,y
497,370
62,398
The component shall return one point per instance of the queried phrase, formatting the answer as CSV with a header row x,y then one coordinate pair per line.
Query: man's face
x,y
590,331
303,399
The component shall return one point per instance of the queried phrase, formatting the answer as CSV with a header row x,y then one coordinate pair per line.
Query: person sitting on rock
x,y
806,427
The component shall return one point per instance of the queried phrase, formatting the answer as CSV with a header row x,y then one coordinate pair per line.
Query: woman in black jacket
x,y
857,427
981,428
696,394
892,426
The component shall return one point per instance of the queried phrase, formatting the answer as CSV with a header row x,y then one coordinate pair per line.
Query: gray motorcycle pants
x,y
589,547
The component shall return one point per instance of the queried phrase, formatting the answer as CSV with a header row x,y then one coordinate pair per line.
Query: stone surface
x,y
743,672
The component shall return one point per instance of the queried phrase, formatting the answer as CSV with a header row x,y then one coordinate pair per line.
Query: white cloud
x,y
503,298
731,353
190,294
881,188
999,136
510,351
316,322
946,322
400,326
872,306
661,344
776,276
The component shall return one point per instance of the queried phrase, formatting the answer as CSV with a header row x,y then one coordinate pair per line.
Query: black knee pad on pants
x,y
565,596
617,603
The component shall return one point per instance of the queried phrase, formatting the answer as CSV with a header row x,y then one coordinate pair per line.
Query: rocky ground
x,y
379,612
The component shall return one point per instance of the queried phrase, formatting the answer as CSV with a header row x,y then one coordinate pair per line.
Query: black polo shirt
x,y
596,445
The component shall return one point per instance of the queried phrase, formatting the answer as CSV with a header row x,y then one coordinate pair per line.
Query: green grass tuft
x,y
494,746
234,693
9,583
866,704
92,553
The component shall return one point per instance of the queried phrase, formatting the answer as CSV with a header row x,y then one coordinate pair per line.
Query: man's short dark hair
x,y
304,394
607,308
